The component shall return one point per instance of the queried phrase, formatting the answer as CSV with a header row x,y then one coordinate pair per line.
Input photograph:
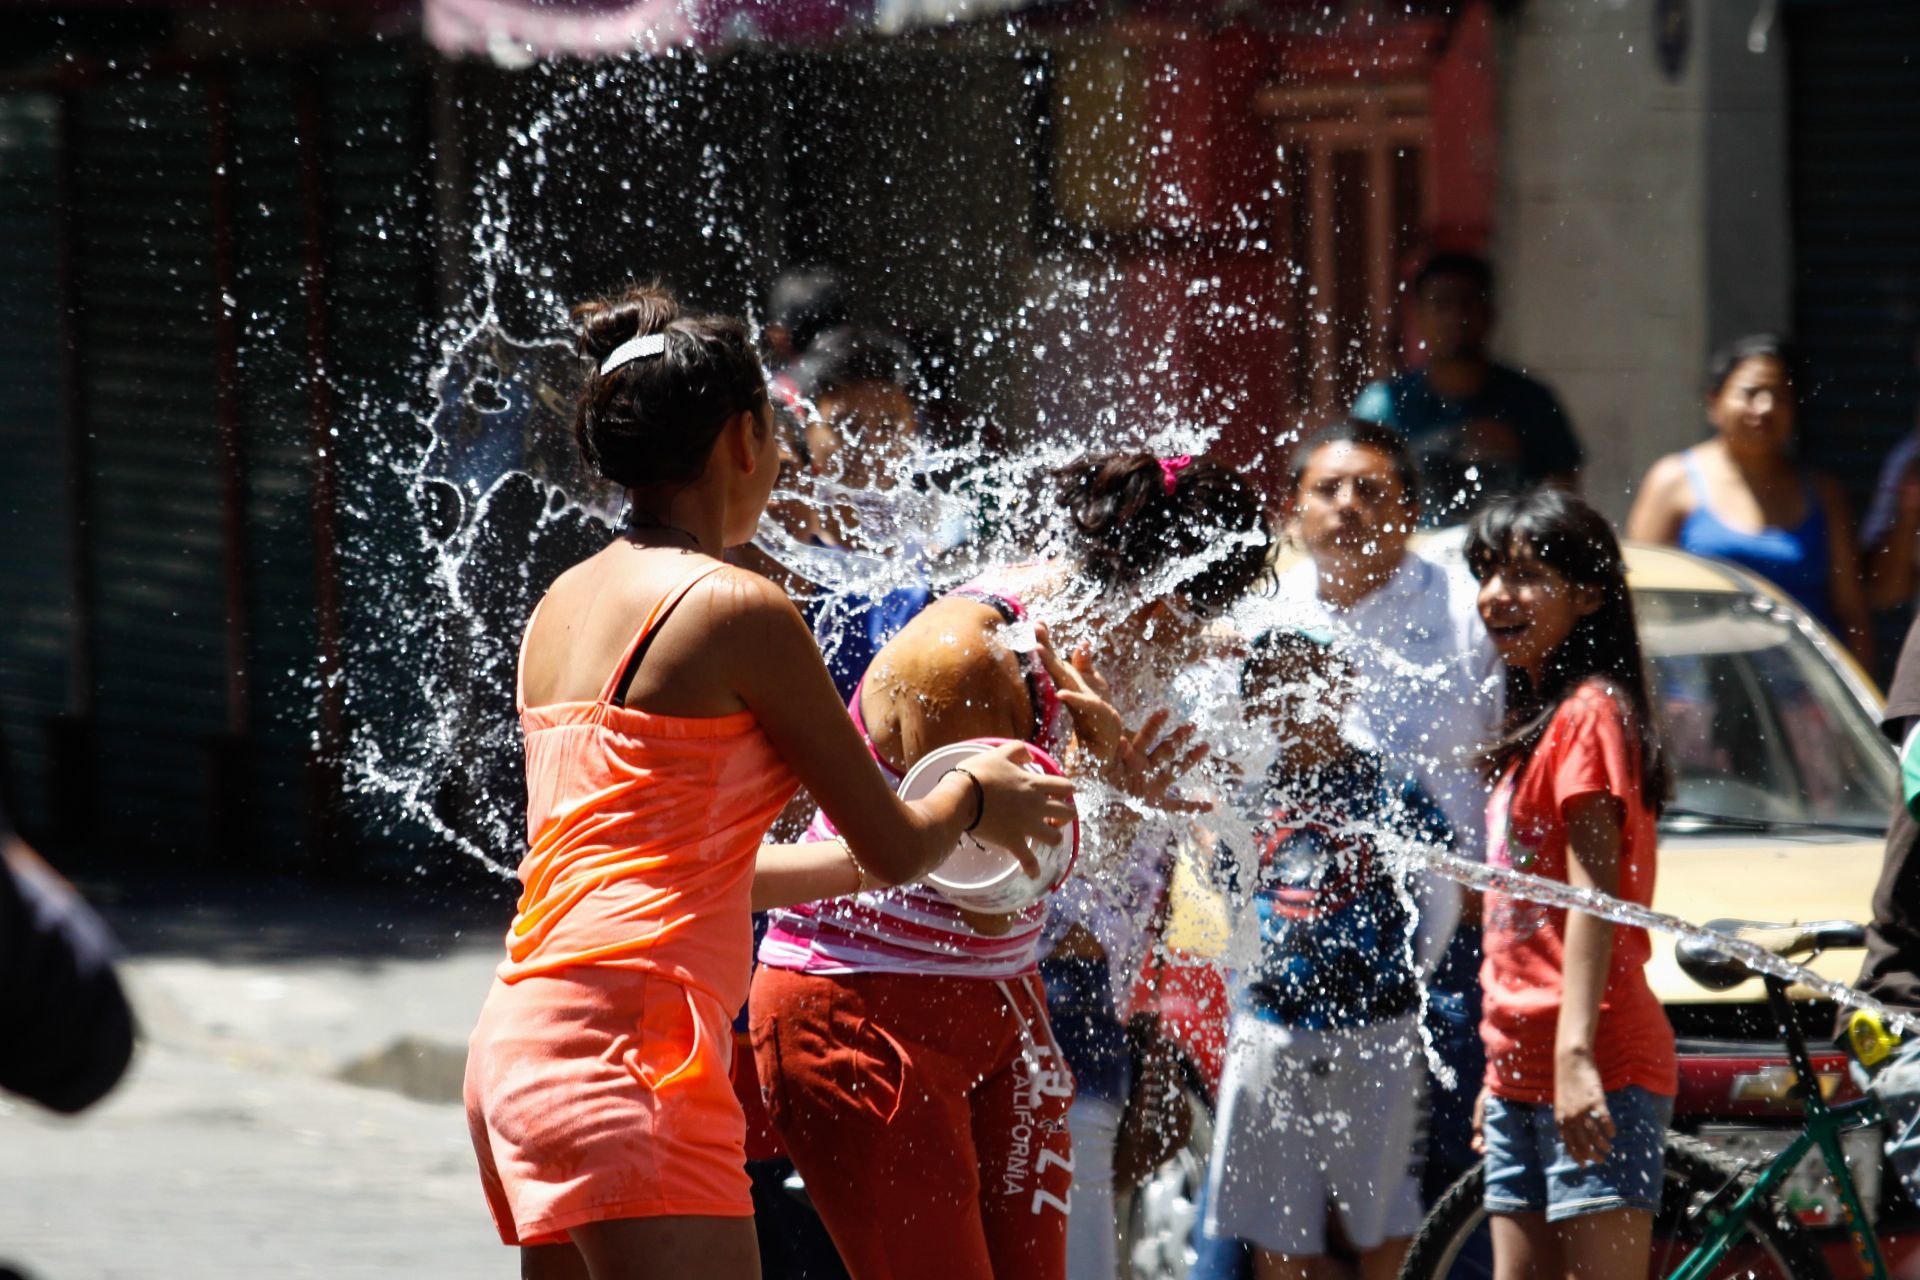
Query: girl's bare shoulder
x,y
949,675
618,589
952,656
953,636
739,604
1666,480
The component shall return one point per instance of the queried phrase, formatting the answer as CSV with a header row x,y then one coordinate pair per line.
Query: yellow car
x,y
1783,782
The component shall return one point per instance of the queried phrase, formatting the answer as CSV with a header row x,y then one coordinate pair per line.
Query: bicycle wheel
x,y
1771,1242
1452,1243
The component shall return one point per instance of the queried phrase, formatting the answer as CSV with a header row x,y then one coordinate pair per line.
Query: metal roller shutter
x,y
36,616
319,167
145,296
270,230
380,254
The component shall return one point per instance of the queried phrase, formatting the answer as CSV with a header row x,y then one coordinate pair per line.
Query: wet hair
x,y
790,419
1127,526
806,302
1560,531
848,355
1363,435
653,420
1283,647
1755,346
1471,267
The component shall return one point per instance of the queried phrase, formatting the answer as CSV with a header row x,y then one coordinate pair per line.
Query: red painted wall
x,y
1204,265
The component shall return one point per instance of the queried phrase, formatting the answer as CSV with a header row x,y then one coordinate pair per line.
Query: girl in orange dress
x,y
672,704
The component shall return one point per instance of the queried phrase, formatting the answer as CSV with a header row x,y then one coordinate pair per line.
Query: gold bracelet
x,y
867,882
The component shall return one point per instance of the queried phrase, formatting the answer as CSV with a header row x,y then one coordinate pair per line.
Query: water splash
x,y
479,498
483,499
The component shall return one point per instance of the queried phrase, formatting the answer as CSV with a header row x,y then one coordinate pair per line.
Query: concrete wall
x,y
1644,217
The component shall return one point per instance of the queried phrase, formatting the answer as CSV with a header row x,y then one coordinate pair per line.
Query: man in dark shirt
x,y
1892,969
803,304
1479,429
1891,973
859,439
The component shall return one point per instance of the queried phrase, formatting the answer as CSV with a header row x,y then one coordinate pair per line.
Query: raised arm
x,y
1891,579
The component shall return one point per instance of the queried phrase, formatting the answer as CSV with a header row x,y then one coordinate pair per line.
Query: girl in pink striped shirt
x,y
902,1042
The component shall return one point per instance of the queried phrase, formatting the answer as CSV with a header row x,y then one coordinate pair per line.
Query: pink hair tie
x,y
1170,469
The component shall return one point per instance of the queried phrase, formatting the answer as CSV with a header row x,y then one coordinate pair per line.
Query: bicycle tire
x,y
1694,1172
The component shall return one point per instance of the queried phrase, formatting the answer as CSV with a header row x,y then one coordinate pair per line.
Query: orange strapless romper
x,y
597,1079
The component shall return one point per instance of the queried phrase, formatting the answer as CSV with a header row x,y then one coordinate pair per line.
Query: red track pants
x,y
927,1116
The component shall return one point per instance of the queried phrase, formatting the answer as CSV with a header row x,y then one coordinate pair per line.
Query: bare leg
x,y
1384,1262
552,1262
1607,1246
669,1248
1525,1247
1284,1266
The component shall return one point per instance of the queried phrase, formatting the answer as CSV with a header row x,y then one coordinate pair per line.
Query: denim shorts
x,y
1529,1171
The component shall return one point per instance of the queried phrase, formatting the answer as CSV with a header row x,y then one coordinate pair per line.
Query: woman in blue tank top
x,y
1743,496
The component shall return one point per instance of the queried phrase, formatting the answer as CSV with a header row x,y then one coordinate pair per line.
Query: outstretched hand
x,y
1151,764
1083,691
1146,764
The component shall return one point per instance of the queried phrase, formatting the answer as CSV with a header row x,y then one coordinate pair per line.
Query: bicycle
x,y
1718,1217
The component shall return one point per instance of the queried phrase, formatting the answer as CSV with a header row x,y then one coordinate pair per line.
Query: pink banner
x,y
519,31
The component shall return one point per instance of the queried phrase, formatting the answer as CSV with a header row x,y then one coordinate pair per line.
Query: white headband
x,y
647,344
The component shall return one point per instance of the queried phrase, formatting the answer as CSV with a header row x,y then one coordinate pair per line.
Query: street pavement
x,y
294,1106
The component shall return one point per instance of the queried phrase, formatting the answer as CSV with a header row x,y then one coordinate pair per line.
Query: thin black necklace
x,y
634,526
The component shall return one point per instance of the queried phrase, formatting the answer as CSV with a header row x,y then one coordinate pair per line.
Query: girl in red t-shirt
x,y
1580,1062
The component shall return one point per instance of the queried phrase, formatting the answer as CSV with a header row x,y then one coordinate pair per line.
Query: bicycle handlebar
x,y
1716,970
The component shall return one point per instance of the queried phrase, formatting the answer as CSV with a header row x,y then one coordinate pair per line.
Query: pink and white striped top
x,y
912,929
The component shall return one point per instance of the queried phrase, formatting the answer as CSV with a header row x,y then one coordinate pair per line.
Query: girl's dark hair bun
x,y
607,322
1135,513
652,420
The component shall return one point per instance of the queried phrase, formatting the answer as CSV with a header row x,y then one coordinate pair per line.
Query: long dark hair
x,y
1558,530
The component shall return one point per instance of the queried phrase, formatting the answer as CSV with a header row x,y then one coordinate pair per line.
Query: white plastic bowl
x,y
978,875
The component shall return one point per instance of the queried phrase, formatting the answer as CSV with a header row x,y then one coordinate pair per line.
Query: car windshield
x,y
1761,730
